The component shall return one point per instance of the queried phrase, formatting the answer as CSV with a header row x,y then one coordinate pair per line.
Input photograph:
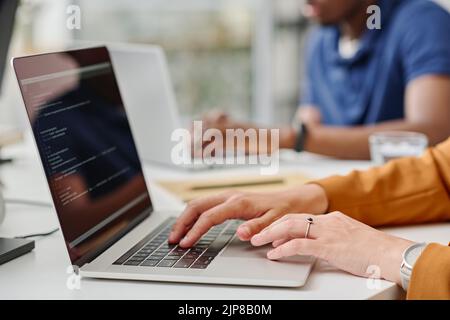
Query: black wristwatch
x,y
301,134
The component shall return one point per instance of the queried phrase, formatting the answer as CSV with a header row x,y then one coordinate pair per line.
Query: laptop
x,y
95,177
147,90
146,87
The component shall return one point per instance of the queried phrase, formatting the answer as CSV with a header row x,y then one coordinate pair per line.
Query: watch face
x,y
413,254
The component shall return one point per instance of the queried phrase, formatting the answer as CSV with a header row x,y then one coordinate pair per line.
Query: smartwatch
x,y
410,256
301,133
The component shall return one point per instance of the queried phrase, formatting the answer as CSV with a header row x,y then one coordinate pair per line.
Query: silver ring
x,y
309,221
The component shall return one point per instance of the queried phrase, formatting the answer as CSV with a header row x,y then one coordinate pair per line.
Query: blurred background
x,y
243,56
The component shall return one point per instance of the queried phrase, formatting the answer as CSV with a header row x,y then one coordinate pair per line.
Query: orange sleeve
x,y
404,191
431,275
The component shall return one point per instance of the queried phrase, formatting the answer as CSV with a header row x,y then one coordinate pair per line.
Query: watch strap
x,y
301,138
405,276
405,268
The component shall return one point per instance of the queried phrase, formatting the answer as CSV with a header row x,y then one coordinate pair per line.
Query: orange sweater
x,y
405,191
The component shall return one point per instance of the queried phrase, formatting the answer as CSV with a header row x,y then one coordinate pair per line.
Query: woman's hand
x,y
342,241
260,209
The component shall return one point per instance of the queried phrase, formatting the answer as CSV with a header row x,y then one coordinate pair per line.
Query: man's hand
x,y
309,115
219,120
222,122
259,209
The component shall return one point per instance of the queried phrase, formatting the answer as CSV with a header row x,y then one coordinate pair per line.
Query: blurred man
x,y
360,80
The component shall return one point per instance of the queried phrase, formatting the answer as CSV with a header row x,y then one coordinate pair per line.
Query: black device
x,y
13,248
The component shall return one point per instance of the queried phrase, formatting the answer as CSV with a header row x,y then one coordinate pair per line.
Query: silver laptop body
x,y
99,192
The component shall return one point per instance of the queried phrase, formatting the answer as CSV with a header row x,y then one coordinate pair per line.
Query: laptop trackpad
x,y
240,249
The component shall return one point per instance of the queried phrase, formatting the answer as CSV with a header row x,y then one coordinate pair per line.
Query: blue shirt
x,y
368,88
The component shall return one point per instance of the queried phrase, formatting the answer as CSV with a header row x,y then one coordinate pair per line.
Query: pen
x,y
238,185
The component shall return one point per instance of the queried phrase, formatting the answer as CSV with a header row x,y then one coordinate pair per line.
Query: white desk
x,y
41,274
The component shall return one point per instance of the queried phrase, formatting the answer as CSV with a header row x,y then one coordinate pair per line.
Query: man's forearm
x,y
353,143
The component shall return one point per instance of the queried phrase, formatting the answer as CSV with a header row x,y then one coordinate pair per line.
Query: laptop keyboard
x,y
154,250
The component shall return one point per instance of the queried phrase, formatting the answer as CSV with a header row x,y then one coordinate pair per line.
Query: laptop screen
x,y
86,147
